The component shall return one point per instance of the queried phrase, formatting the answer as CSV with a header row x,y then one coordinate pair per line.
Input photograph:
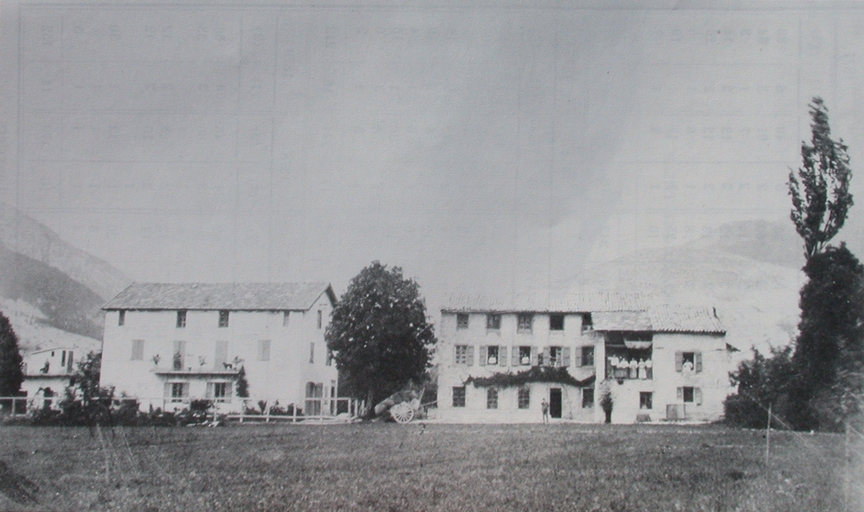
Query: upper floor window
x,y
285,316
464,355
587,322
462,320
493,321
492,354
121,318
556,322
181,318
556,356
688,362
223,318
526,322
587,356
525,356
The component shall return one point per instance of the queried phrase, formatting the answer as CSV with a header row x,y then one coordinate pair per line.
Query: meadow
x,y
420,467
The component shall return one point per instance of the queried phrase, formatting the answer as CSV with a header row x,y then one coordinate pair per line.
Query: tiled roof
x,y
610,311
546,303
662,318
235,296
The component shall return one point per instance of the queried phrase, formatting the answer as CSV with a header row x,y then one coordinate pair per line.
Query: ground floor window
x,y
459,396
690,395
587,398
646,400
524,398
219,391
177,391
492,398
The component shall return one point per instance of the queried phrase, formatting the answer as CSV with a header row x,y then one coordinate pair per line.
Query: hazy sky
x,y
472,144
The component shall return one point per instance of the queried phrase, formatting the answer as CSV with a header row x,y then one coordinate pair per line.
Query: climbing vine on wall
x,y
534,374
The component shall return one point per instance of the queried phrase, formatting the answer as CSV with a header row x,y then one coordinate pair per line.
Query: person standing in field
x,y
544,406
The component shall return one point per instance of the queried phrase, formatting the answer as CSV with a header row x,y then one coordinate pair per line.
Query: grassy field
x,y
416,467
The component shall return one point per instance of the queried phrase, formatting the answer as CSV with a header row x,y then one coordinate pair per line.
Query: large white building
x,y
167,344
500,361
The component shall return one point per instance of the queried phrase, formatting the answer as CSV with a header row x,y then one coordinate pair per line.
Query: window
x,y
179,358
264,350
311,352
329,360
493,321
524,398
137,350
219,391
646,400
492,398
464,355
285,316
556,322
462,320
587,356
556,357
688,362
223,318
526,320
177,391
587,398
181,319
690,395
492,355
320,318
121,318
687,394
459,396
525,356
587,322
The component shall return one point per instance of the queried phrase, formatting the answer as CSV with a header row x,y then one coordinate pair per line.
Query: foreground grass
x,y
416,467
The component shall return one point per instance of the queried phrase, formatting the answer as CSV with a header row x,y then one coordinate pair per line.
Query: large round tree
x,y
379,334
11,375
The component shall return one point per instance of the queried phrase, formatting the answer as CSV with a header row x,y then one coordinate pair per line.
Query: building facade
x,y
167,344
657,363
47,374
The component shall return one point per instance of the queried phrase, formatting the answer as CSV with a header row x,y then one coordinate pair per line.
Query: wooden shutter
x,y
697,395
547,355
680,393
455,352
515,355
578,356
209,390
679,362
566,356
484,355
168,390
221,355
697,357
470,355
502,355
533,356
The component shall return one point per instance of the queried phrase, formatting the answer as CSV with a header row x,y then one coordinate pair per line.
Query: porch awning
x,y
637,345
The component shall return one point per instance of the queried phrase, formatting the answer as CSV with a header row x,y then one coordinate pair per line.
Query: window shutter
x,y
547,355
502,355
566,356
167,390
471,355
698,357
680,393
484,355
210,390
579,356
455,357
515,354
534,356
697,395
679,362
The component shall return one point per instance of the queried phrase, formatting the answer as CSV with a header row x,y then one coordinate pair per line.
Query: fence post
x,y
768,436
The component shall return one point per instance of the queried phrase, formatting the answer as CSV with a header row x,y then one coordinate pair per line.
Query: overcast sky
x,y
474,145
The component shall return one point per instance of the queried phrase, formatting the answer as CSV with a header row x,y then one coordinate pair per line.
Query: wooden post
x,y
768,436
294,413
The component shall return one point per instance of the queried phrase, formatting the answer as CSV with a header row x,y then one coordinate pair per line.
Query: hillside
x,y
747,270
51,292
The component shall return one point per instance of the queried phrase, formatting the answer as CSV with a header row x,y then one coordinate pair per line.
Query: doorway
x,y
555,402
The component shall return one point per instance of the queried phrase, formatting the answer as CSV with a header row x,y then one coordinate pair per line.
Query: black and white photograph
x,y
432,255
